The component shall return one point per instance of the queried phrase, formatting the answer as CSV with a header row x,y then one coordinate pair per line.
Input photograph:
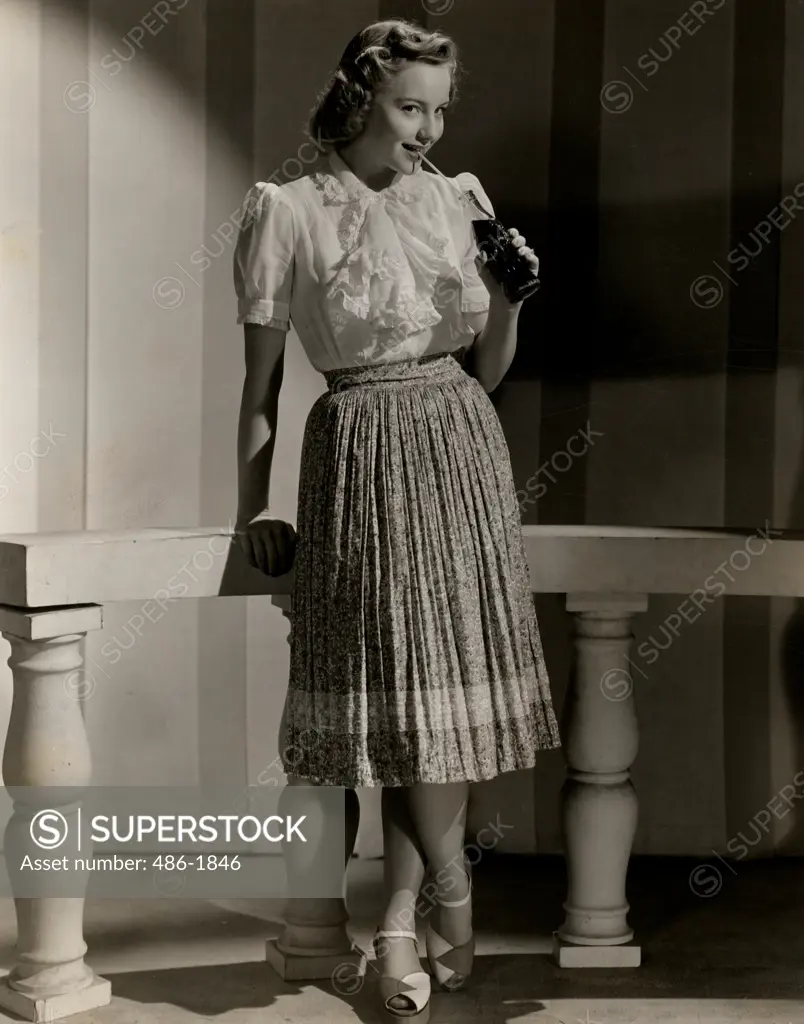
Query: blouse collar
x,y
405,185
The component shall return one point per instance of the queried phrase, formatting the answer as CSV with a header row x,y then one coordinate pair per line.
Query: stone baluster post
x,y
314,943
599,805
47,756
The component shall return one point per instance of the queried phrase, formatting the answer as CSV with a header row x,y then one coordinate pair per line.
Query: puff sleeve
x,y
475,295
263,257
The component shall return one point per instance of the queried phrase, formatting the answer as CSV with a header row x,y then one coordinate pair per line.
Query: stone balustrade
x,y
53,588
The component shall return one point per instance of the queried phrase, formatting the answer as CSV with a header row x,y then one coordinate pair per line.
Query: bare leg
x,y
439,814
404,873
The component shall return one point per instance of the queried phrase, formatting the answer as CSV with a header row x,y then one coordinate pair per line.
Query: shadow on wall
x,y
652,304
793,678
792,660
655,305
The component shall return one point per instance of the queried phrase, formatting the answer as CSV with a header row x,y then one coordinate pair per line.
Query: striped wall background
x,y
637,144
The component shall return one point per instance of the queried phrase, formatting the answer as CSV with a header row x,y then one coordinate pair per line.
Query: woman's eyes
x,y
411,106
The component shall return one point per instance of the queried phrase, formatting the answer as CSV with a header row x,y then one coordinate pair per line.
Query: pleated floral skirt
x,y
415,653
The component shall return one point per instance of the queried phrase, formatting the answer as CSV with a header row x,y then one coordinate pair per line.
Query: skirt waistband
x,y
405,372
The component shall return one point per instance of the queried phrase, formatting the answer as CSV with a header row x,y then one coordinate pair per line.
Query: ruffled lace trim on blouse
x,y
391,258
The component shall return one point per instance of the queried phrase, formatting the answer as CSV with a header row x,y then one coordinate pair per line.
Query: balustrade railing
x,y
53,588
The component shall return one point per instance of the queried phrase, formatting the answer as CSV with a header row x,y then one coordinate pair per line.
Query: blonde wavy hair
x,y
372,58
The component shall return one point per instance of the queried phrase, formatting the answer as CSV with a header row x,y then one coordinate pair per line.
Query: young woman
x,y
416,660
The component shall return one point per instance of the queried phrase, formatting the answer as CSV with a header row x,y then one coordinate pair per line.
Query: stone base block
x,y
51,1008
341,968
568,954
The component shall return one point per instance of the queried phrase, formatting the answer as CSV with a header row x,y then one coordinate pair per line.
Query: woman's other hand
x,y
268,543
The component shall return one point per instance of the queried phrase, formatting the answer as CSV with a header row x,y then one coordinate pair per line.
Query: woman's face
x,y
408,111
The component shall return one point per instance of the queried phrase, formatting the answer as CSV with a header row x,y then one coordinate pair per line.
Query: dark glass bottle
x,y
501,256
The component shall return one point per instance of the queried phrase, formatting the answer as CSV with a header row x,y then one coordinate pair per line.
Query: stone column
x,y
314,943
47,758
599,805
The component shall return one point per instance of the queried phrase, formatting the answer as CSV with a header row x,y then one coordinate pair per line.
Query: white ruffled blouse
x,y
365,277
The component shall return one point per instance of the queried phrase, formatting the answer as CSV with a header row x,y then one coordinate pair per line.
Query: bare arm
x,y
259,406
495,346
494,343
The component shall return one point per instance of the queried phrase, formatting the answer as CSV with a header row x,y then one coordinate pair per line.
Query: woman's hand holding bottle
x,y
496,289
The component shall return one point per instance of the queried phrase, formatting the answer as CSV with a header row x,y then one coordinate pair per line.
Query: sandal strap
x,y
456,903
398,934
